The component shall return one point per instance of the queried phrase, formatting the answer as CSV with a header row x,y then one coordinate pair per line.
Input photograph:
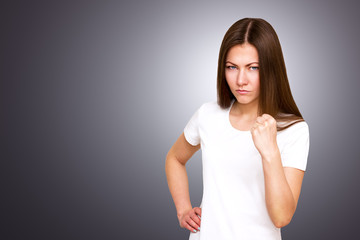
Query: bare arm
x,y
282,184
282,189
177,179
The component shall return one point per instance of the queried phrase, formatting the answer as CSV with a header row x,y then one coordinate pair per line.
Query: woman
x,y
254,144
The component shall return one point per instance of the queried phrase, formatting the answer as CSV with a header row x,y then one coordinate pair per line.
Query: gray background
x,y
94,94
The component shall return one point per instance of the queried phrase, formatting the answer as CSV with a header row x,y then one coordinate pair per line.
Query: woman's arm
x,y
282,189
177,179
282,185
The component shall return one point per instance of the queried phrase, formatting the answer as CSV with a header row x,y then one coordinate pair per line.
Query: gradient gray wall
x,y
94,94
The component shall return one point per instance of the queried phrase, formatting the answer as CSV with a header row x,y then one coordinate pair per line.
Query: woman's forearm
x,y
178,184
278,195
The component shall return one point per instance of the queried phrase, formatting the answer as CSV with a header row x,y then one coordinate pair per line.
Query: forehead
x,y
242,54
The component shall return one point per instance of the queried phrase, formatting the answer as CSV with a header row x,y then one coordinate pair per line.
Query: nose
x,y
241,78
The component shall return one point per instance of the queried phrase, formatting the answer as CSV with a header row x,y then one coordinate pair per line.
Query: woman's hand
x,y
191,219
264,134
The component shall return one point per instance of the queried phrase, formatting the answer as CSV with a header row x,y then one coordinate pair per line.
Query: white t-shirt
x,y
233,203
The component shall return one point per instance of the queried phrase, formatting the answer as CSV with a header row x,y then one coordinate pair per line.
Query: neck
x,y
246,111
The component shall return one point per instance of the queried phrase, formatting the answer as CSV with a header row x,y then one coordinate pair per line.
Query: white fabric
x,y
233,203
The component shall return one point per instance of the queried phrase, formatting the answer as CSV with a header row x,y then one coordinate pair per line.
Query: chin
x,y
241,101
244,102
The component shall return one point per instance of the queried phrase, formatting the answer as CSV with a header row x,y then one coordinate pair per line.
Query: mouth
x,y
242,91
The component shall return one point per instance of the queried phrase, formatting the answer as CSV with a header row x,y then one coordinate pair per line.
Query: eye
x,y
254,68
231,67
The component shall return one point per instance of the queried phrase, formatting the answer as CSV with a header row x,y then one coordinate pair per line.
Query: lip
x,y
242,91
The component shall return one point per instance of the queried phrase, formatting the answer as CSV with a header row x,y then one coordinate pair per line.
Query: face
x,y
242,73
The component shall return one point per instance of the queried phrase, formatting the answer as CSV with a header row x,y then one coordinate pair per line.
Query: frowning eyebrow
x,y
245,65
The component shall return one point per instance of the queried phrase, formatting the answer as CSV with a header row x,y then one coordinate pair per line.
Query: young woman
x,y
254,144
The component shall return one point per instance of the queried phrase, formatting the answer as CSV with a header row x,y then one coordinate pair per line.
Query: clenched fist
x,y
264,134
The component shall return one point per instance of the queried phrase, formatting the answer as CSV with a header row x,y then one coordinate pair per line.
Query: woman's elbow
x,y
282,222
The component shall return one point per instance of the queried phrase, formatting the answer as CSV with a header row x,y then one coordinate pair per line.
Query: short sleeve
x,y
296,149
191,130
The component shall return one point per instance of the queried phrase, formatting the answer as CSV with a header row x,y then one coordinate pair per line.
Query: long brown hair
x,y
275,96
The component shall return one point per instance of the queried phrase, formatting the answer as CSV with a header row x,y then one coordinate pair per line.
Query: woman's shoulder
x,y
291,125
295,128
285,119
211,107
210,104
207,110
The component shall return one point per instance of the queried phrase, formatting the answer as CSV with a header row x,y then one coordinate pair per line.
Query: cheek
x,y
258,84
256,81
229,77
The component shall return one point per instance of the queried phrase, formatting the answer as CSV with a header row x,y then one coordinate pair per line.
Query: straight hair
x,y
275,96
